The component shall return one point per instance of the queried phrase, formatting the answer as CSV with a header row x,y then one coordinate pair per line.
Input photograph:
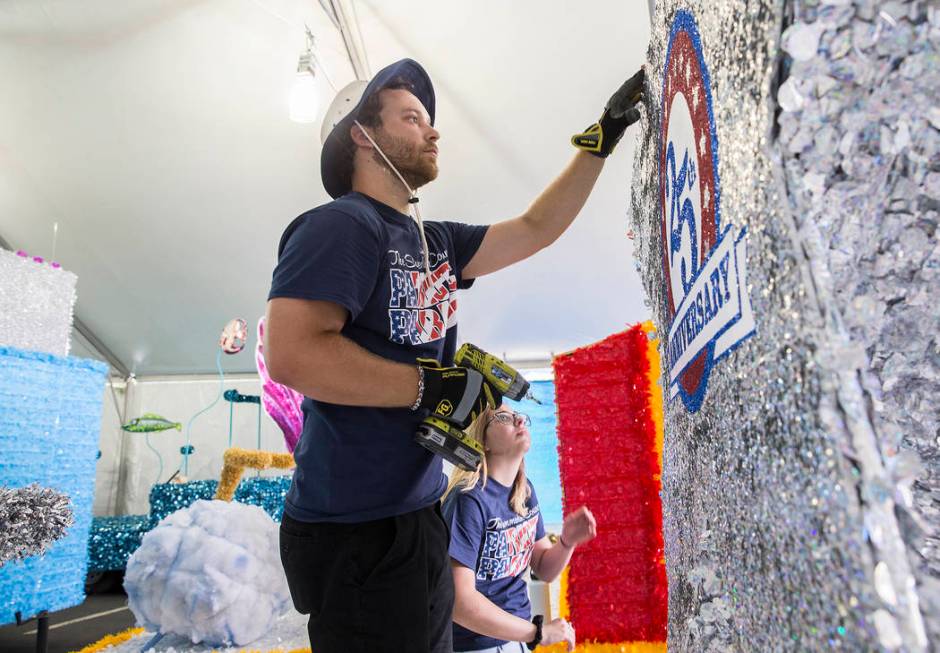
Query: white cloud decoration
x,y
210,573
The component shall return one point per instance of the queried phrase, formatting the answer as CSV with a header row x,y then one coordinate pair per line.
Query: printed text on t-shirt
x,y
507,551
421,309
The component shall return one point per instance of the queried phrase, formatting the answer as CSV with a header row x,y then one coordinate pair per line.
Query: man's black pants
x,y
377,586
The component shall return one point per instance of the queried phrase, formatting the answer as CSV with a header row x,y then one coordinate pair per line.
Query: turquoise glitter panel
x,y
114,539
541,463
266,492
50,420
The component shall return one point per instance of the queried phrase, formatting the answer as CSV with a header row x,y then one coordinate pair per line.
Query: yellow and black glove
x,y
457,394
621,111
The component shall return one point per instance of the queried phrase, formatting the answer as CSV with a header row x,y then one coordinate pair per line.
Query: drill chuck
x,y
501,376
519,388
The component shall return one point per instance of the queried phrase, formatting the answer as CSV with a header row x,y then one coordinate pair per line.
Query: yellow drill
x,y
449,441
498,374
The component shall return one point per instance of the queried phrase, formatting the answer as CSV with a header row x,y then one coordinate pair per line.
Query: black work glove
x,y
621,111
457,394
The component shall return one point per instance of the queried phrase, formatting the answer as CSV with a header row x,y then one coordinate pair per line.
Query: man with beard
x,y
361,319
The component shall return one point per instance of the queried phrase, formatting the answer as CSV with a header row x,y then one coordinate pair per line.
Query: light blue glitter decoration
x,y
50,420
541,463
114,539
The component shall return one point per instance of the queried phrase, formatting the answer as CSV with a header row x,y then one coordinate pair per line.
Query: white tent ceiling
x,y
156,134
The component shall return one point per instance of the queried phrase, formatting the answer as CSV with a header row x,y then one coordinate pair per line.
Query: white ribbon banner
x,y
715,309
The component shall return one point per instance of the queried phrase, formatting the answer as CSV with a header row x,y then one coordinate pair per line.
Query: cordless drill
x,y
449,441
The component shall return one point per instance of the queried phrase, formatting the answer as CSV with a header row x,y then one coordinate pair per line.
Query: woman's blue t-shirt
x,y
487,536
356,463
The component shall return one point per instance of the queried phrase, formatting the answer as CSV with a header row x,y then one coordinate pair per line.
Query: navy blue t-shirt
x,y
356,463
487,536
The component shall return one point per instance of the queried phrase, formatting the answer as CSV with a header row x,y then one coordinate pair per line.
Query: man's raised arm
x,y
511,241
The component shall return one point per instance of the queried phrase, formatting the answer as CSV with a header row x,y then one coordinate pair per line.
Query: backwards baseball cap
x,y
345,109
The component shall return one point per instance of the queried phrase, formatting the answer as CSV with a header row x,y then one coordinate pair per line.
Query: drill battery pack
x,y
450,443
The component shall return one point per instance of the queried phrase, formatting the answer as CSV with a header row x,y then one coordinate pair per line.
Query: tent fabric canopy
x,y
156,135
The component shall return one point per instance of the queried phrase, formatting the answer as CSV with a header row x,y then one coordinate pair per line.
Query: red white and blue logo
x,y
705,265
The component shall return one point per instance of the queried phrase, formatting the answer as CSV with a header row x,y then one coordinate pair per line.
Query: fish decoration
x,y
151,423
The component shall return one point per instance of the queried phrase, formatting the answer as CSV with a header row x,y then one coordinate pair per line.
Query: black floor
x,y
66,637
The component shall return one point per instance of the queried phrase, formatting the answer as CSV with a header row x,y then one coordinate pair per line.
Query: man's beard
x,y
407,159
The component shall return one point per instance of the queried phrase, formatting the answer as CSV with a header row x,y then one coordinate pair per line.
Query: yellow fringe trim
x,y
236,459
564,611
111,640
587,647
656,398
595,647
656,389
275,650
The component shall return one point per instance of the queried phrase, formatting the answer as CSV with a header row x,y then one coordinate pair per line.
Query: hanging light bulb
x,y
304,101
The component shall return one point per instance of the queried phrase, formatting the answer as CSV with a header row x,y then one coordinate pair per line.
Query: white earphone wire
x,y
412,201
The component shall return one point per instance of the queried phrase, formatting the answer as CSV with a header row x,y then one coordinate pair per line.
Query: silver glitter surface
x,y
36,303
781,495
868,183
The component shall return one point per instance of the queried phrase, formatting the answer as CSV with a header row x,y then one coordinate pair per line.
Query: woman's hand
x,y
579,527
558,630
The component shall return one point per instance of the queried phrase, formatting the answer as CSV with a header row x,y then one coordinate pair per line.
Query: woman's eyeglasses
x,y
510,418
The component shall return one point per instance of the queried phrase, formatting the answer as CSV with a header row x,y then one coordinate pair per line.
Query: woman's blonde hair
x,y
466,481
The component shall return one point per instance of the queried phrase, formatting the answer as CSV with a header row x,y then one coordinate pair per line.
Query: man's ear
x,y
358,138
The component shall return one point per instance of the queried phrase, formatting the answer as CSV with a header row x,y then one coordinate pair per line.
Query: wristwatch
x,y
537,621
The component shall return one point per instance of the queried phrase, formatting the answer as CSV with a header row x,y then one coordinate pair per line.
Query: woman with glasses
x,y
496,533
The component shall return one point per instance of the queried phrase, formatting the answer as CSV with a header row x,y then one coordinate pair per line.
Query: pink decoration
x,y
37,259
234,336
280,402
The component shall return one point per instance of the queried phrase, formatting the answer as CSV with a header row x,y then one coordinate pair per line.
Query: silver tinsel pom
x,y
31,519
